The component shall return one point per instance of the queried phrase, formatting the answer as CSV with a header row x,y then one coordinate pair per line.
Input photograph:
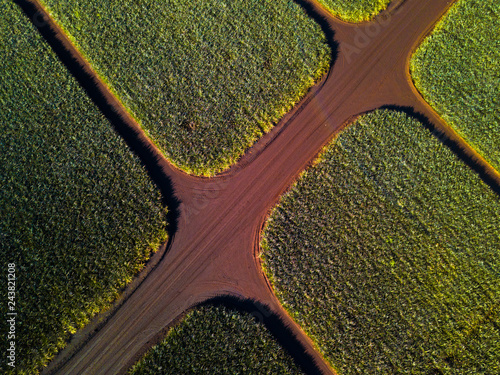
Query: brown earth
x,y
214,246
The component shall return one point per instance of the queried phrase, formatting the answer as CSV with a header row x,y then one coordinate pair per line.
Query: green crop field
x,y
357,10
387,254
205,79
79,215
217,340
457,70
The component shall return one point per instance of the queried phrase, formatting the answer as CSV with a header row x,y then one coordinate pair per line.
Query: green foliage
x,y
216,340
357,10
457,70
387,253
79,215
205,78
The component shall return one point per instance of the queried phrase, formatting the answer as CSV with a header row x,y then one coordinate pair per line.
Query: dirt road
x,y
214,247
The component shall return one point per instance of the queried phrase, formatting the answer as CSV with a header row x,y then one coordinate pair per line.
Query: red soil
x,y
214,250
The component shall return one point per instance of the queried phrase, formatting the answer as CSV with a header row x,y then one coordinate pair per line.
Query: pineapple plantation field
x,y
79,215
205,79
355,11
387,254
457,70
385,251
217,340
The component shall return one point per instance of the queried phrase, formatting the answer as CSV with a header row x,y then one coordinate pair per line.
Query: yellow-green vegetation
x,y
457,70
205,78
217,340
387,254
356,10
79,215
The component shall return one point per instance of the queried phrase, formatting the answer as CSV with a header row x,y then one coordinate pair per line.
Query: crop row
x,y
79,215
386,253
457,70
206,78
216,340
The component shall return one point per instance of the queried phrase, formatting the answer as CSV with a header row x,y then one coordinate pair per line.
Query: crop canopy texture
x,y
217,340
79,214
355,10
387,253
457,70
204,78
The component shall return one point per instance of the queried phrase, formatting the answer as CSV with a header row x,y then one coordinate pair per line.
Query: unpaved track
x,y
214,250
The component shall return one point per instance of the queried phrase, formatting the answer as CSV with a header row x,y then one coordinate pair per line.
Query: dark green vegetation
x,y
387,253
205,78
79,215
217,340
355,10
457,70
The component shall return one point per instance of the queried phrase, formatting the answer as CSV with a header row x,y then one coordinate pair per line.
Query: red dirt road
x,y
215,248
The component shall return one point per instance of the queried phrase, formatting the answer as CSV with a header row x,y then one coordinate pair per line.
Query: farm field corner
x,y
457,70
79,215
204,80
386,253
356,10
244,346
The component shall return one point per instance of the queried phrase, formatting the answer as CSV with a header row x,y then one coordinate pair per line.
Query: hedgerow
x,y
357,10
217,340
387,254
205,79
457,70
79,215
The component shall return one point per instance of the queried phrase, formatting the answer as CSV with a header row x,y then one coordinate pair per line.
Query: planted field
x,y
204,79
387,254
243,347
79,215
355,11
457,70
